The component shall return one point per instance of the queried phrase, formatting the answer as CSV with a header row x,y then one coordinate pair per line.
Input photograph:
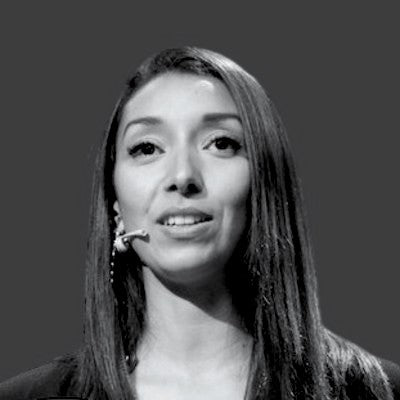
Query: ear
x,y
116,207
118,218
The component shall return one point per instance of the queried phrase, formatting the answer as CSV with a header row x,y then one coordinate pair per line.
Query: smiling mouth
x,y
187,220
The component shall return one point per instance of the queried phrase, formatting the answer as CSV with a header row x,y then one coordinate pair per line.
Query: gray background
x,y
333,72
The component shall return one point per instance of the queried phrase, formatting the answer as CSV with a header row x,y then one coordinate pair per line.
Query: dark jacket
x,y
53,381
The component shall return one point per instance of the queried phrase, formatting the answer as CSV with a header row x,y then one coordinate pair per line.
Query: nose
x,y
184,174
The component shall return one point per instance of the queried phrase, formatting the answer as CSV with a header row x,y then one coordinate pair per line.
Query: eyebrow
x,y
207,118
217,117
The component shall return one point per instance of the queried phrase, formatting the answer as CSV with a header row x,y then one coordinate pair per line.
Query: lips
x,y
187,216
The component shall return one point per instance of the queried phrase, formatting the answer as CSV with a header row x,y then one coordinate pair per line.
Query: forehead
x,y
179,92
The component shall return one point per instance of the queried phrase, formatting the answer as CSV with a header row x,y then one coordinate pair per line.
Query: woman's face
x,y
182,174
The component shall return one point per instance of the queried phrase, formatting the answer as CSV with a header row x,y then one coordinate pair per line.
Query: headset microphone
x,y
121,243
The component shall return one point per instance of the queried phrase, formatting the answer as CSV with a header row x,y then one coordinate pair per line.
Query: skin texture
x,y
185,169
193,345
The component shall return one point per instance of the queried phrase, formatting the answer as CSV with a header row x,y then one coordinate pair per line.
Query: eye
x,y
224,145
144,149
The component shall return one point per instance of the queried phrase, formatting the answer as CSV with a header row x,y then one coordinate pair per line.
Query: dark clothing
x,y
54,379
393,372
45,382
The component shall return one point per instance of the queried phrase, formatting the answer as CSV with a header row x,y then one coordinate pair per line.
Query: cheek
x,y
232,186
134,193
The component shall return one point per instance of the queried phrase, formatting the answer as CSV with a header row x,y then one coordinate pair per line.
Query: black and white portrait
x,y
199,202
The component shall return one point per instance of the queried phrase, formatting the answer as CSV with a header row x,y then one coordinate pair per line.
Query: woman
x,y
200,281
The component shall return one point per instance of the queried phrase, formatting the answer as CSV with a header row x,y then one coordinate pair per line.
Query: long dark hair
x,y
294,356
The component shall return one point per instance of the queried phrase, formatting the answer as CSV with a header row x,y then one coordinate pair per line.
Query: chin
x,y
187,270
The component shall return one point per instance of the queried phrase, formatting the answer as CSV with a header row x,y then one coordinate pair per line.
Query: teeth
x,y
183,220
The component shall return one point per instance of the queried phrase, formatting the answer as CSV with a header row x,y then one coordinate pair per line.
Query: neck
x,y
192,327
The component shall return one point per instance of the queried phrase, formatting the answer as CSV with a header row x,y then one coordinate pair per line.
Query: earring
x,y
112,265
120,245
122,242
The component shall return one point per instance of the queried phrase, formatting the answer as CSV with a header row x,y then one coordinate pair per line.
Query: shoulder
x,y
355,365
392,371
46,381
